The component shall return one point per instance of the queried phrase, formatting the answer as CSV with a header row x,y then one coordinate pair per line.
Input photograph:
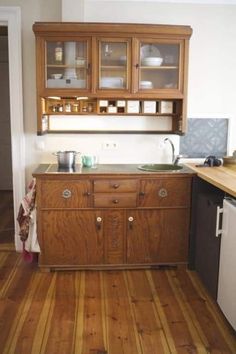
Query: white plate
x,y
149,50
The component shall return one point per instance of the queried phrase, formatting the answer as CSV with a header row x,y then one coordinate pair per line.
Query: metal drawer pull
x,y
130,222
115,201
66,193
162,193
115,186
98,222
219,211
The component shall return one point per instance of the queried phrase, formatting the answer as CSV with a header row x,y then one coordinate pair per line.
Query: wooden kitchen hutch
x,y
105,69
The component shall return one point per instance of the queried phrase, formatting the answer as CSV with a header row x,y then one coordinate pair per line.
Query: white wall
x,y
212,73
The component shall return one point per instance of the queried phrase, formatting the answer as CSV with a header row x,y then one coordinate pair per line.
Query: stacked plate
x,y
146,85
152,61
112,82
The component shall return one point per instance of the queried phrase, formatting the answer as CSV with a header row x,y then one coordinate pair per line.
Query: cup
x,y
90,161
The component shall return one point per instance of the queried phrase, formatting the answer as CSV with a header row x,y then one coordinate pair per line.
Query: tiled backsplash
x,y
205,137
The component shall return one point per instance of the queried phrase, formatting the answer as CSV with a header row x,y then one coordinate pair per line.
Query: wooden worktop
x,y
221,177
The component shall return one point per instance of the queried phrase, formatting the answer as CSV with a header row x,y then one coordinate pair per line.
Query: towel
x,y
27,222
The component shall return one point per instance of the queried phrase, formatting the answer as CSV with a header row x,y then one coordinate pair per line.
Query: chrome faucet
x,y
175,159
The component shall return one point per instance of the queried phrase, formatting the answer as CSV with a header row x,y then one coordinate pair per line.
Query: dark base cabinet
x,y
204,245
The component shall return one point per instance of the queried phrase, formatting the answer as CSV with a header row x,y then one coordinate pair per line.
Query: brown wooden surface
x,y
52,194
221,177
117,312
74,232
158,236
133,35
115,200
115,185
177,192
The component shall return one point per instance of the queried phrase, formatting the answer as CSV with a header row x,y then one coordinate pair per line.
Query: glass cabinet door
x,y
67,64
113,65
159,66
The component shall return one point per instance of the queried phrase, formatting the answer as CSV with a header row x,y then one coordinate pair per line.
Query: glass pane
x,y
66,65
159,66
113,65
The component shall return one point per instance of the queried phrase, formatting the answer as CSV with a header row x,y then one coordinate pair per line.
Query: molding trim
x,y
11,17
200,2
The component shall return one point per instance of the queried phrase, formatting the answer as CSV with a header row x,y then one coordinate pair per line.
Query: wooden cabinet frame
x,y
133,34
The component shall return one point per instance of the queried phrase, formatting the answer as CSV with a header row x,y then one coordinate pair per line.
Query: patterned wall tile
x,y
205,137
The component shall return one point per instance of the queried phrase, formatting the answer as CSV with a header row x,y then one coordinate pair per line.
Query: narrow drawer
x,y
115,185
111,200
65,194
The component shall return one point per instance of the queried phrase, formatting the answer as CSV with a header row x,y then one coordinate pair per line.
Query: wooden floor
x,y
114,312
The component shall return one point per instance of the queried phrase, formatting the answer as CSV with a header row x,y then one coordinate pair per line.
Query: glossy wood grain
x,y
113,312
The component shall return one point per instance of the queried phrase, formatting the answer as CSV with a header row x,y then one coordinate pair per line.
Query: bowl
x,y
56,76
146,85
152,61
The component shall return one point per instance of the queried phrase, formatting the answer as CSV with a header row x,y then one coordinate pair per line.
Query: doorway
x,y
6,188
10,17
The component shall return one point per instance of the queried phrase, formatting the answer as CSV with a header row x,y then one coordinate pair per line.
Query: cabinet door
x,y
157,236
67,64
71,237
114,232
159,65
114,60
207,250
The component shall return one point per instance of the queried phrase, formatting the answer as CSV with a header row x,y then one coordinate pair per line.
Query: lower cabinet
x,y
205,259
115,222
157,236
71,238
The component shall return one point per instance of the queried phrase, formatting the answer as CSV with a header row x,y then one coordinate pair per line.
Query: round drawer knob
x,y
99,219
130,218
66,193
162,193
115,186
115,201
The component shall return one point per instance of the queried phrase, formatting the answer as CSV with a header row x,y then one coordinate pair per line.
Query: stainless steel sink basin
x,y
160,167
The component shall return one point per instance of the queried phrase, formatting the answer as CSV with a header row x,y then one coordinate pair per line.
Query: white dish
x,y
111,82
152,61
149,50
146,85
56,76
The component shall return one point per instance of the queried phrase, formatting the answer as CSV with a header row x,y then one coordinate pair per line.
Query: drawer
x,y
65,194
115,185
165,192
113,200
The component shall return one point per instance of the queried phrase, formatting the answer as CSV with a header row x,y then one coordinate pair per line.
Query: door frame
x,y
11,17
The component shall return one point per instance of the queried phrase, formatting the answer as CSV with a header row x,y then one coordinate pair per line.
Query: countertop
x,y
221,177
106,169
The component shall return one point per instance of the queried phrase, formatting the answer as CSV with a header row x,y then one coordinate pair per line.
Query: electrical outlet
x,y
109,145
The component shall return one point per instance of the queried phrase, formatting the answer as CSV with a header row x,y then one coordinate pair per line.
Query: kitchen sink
x,y
160,167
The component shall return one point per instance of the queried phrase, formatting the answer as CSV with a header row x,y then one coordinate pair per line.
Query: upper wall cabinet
x,y
103,68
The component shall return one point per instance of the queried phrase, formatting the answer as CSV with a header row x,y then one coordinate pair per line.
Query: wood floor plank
x,y
184,339
206,321
120,326
93,336
60,338
29,329
113,312
41,333
220,321
149,328
17,285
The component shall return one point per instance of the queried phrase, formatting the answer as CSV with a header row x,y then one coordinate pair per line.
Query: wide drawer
x,y
65,194
115,185
110,200
165,192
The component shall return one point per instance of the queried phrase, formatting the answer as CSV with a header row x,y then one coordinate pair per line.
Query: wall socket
x,y
109,145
